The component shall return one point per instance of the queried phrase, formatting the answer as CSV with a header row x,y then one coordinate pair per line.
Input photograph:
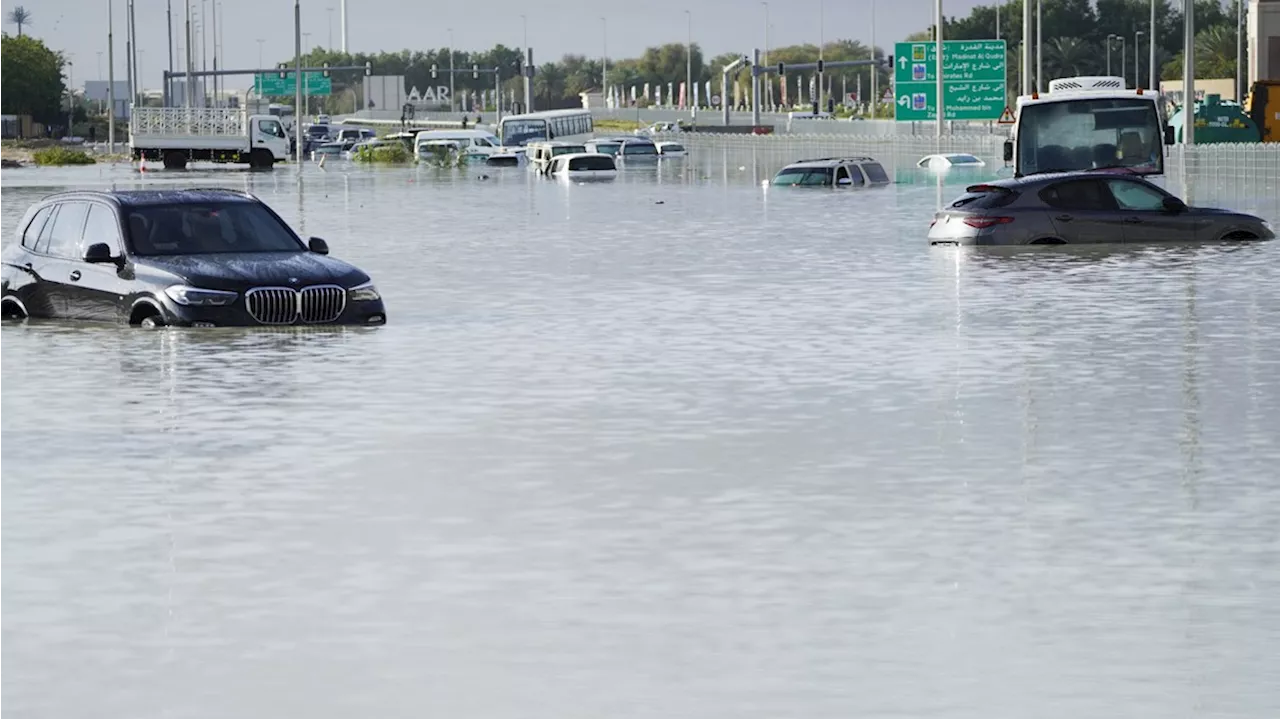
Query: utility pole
x,y
190,90
297,85
604,62
168,81
1151,49
71,98
452,95
938,41
875,69
1026,48
216,5
822,38
111,80
1039,47
527,65
344,26
688,67
1189,72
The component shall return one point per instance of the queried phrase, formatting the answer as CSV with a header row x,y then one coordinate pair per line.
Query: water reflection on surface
x,y
673,445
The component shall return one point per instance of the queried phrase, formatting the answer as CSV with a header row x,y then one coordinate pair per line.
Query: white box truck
x,y
177,135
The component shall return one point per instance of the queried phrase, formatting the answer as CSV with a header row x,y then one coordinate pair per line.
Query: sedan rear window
x,y
208,228
983,197
578,164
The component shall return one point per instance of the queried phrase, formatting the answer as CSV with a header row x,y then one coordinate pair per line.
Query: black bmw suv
x,y
200,258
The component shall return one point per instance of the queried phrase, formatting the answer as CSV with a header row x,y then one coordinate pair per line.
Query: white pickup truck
x,y
177,135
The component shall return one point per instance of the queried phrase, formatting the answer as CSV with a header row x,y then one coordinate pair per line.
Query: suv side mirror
x,y
1008,150
98,253
1168,135
318,246
1174,205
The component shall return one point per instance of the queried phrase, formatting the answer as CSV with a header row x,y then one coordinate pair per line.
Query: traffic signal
x,y
782,68
475,72
819,66
433,71
325,71
368,69
890,59
284,74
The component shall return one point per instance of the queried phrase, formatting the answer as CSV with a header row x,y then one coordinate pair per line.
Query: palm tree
x,y
1068,57
19,16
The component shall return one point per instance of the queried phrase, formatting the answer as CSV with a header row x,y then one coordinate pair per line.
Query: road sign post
x,y
271,84
973,75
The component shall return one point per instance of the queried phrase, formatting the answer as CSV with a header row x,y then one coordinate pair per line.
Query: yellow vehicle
x,y
1263,105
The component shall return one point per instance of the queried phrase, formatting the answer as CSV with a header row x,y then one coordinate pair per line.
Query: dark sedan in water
x,y
1084,208
189,258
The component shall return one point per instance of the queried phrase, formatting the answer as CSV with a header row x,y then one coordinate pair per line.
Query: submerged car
x,y
177,257
1084,208
841,172
587,165
604,147
671,149
949,160
636,148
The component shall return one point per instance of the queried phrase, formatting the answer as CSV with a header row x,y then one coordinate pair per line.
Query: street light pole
x,y
604,64
875,69
452,107
688,67
938,41
1110,38
111,81
1039,47
168,15
1026,48
1124,59
1151,50
525,60
260,41
1189,71
765,61
1137,60
329,44
822,39
189,91
71,98
297,82
1240,50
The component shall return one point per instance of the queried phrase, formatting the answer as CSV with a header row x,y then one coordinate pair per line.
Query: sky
x,y
79,27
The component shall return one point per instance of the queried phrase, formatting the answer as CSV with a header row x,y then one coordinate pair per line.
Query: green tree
x,y
20,16
1069,56
1215,55
32,79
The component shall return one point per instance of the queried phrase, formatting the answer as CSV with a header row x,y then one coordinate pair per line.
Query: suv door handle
x,y
1133,220
75,275
1064,218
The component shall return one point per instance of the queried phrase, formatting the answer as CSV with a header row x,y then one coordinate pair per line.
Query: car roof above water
x,y
830,161
141,198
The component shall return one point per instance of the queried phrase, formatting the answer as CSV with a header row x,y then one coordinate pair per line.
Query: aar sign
x,y
437,94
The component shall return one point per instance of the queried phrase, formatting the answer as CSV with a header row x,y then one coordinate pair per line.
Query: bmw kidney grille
x,y
284,305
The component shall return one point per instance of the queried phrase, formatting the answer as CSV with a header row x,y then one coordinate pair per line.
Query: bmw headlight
x,y
198,297
1269,228
363,293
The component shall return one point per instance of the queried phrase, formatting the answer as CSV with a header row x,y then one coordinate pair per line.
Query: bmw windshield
x,y
208,227
1084,134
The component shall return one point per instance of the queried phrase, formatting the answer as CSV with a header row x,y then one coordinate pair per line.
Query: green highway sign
x,y
270,84
973,80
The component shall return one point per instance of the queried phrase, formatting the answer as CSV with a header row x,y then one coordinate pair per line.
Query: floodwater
x,y
668,446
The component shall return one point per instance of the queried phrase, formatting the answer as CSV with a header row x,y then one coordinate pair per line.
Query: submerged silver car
x,y
1084,208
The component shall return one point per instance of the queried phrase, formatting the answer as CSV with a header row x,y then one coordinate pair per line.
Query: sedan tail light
x,y
984,222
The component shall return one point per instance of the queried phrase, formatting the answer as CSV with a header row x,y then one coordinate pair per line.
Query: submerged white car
x,y
950,160
671,149
584,166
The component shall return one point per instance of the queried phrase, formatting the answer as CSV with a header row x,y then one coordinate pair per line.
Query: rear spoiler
x,y
987,188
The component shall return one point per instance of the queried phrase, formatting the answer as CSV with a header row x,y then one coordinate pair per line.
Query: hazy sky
x,y
555,28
